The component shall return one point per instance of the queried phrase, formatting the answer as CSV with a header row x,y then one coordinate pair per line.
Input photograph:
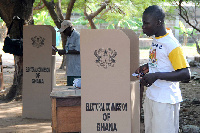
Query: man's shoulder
x,y
76,33
169,41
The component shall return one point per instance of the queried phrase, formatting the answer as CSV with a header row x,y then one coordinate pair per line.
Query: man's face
x,y
67,31
149,25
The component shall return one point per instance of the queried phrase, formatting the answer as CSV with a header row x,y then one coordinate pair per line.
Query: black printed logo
x,y
105,57
38,41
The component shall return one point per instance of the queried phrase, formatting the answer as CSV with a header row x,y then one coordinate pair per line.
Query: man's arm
x,y
73,52
178,75
62,52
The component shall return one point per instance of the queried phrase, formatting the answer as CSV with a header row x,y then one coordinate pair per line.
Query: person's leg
x,y
69,80
164,118
141,96
176,116
148,115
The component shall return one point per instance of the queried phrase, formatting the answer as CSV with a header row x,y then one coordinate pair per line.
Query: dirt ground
x,y
11,112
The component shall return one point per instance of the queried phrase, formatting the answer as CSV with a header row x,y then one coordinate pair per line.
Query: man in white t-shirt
x,y
167,66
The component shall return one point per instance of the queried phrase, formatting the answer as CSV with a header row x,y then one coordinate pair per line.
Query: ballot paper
x,y
135,74
77,82
138,74
54,49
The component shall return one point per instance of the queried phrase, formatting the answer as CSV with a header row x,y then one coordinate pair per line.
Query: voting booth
x,y
110,96
38,70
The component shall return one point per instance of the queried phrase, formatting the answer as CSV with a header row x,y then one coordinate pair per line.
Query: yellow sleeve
x,y
177,59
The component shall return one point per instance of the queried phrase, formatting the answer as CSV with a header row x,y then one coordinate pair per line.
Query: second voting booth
x,y
38,70
110,96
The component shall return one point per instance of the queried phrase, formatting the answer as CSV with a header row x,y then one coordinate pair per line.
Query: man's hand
x,y
61,52
54,48
142,70
148,79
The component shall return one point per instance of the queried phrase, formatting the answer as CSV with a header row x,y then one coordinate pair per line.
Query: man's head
x,y
66,27
153,20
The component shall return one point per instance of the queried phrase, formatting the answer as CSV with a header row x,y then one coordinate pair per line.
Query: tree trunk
x,y
16,88
22,9
64,40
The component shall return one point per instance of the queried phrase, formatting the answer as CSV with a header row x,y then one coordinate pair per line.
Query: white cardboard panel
x,y
105,73
134,51
38,71
135,106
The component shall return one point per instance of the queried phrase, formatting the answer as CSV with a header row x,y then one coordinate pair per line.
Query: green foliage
x,y
185,31
42,18
80,21
35,4
191,44
2,23
118,13
134,24
1,20
121,14
111,26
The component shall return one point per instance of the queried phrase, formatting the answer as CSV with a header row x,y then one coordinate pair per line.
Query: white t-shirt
x,y
165,55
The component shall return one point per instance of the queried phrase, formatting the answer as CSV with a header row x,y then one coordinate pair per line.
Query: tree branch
x,y
119,10
69,9
39,6
104,12
85,12
58,10
195,16
50,6
6,15
93,15
196,42
92,25
186,18
102,7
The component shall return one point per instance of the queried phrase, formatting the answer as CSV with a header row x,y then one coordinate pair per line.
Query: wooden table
x,y
66,109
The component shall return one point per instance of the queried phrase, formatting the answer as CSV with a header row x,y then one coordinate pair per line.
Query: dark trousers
x,y
70,80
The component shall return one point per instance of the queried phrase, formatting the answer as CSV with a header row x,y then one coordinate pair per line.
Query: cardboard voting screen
x,y
38,71
134,51
135,106
135,88
105,81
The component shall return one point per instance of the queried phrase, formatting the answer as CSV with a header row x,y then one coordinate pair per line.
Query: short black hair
x,y
155,11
